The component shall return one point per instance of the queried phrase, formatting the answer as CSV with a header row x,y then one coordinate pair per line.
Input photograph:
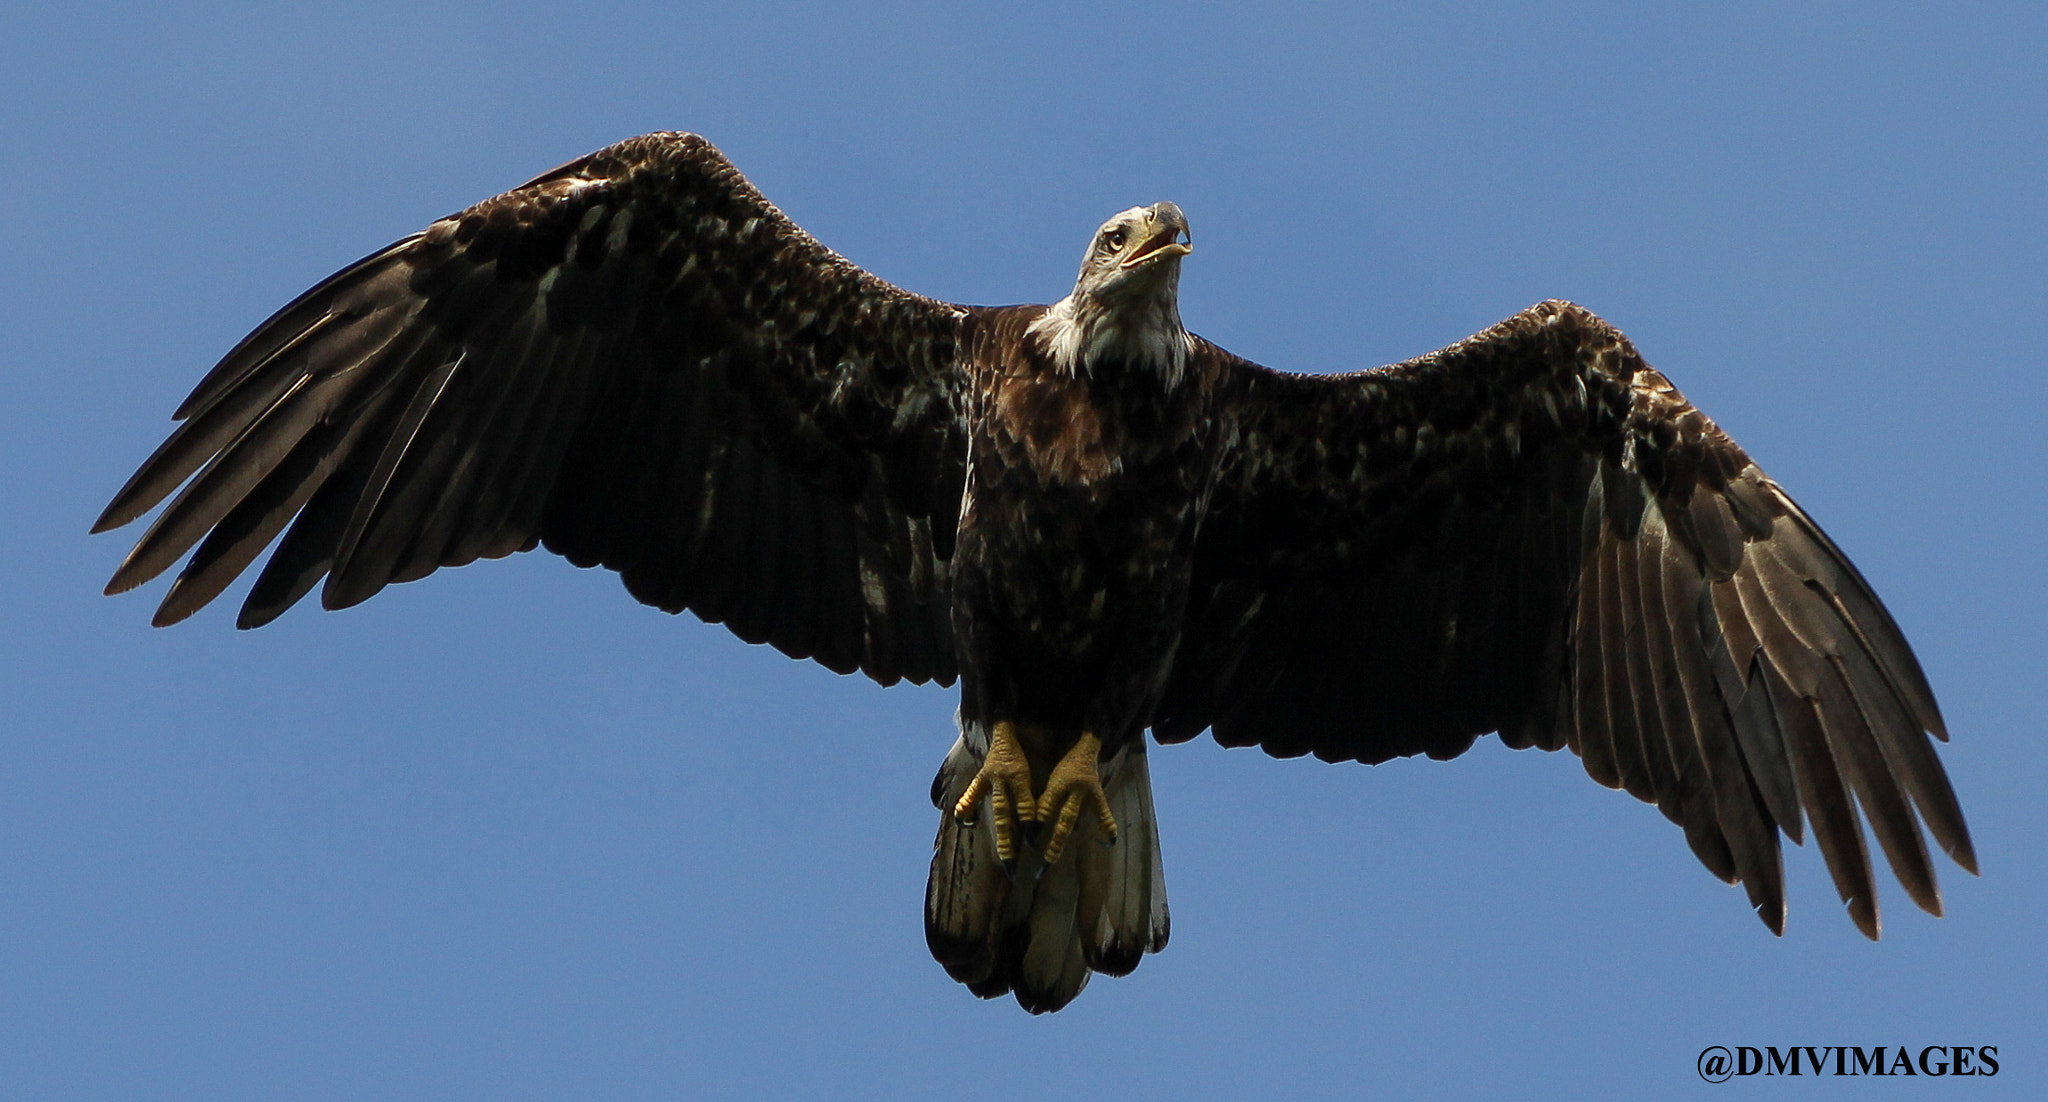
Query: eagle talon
x,y
1075,782
1005,778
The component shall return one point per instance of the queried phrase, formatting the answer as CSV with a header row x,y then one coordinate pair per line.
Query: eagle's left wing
x,y
1532,532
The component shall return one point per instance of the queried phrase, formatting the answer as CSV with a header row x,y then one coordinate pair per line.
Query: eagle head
x,y
1123,309
1136,255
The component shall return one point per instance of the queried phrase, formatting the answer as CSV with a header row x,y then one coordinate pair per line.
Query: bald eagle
x,y
1097,522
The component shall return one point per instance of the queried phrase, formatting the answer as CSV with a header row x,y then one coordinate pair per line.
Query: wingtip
x,y
343,590
130,574
1925,894
143,490
1772,914
126,506
254,614
1965,856
179,603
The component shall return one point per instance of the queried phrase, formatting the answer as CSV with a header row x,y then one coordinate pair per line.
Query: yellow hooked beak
x,y
1165,233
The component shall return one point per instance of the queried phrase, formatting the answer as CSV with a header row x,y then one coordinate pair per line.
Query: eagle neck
x,y
1083,334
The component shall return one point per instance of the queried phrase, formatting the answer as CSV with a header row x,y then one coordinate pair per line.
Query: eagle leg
x,y
1075,782
1005,778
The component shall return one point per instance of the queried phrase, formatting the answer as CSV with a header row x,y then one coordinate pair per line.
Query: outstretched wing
x,y
635,360
1532,532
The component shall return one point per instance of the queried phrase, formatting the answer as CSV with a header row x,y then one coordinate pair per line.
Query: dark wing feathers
x,y
634,360
1532,532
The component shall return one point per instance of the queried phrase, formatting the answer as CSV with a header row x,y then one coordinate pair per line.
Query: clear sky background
x,y
506,834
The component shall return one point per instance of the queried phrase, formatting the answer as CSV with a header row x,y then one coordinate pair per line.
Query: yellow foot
x,y
1075,782
1005,778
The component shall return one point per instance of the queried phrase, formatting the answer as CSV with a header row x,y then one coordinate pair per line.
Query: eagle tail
x,y
1041,930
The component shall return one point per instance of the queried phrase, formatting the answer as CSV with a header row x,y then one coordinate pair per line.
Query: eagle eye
x,y
1114,239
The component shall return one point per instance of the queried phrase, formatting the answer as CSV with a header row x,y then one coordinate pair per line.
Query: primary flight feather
x,y
1096,521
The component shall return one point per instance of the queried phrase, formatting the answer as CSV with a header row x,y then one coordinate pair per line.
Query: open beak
x,y
1167,235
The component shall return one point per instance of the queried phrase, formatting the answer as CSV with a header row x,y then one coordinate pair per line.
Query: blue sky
x,y
506,834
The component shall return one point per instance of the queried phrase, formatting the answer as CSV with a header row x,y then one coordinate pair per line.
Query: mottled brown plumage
x,y
1099,522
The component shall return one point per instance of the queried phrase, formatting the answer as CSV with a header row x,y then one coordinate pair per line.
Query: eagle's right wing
x,y
635,360
1532,532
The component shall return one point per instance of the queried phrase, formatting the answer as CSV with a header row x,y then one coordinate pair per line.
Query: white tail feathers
x,y
1041,931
